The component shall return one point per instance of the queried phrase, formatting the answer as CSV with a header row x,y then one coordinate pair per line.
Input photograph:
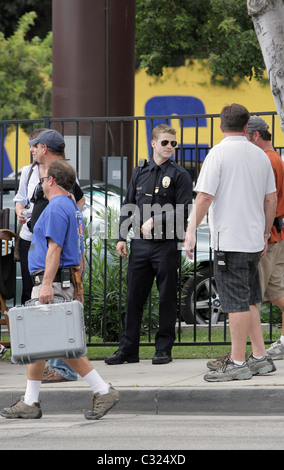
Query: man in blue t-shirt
x,y
58,234
57,245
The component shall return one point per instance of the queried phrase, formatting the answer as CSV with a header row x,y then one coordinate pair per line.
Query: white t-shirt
x,y
239,175
24,194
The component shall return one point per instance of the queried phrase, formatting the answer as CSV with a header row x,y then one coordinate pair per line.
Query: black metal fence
x,y
104,152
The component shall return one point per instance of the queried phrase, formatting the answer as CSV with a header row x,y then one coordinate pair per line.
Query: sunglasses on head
x,y
164,143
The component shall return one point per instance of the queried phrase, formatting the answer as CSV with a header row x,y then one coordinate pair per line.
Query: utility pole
x,y
93,73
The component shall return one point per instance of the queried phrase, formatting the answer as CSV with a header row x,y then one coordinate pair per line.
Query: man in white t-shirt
x,y
237,183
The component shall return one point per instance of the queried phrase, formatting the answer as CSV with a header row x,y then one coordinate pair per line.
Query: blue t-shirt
x,y
63,222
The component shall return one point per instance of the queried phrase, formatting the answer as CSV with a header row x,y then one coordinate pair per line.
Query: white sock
x,y
282,339
97,384
239,363
32,392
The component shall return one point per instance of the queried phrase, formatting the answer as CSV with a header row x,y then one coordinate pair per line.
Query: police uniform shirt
x,y
173,187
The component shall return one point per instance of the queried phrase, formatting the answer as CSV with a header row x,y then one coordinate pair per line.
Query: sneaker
x,y
53,377
21,410
215,364
261,366
229,371
276,350
102,404
3,351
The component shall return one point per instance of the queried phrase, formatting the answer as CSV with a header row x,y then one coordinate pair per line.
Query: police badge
x,y
166,181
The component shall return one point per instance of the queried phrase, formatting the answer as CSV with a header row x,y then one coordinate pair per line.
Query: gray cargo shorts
x,y
238,286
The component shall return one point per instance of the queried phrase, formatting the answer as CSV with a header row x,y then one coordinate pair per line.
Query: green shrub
x,y
105,288
270,313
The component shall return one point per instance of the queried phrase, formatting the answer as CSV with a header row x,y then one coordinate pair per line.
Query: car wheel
x,y
204,308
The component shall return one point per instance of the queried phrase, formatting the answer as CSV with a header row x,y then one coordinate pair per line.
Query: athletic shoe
x,y
215,364
261,366
276,350
21,410
53,377
3,351
102,404
230,371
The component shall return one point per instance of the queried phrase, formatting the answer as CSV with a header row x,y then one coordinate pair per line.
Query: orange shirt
x,y
278,168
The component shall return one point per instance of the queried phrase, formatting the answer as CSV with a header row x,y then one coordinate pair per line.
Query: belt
x,y
37,277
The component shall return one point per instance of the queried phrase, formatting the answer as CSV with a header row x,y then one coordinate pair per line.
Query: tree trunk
x,y
268,20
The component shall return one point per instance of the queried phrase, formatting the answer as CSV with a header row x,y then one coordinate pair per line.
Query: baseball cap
x,y
256,123
51,138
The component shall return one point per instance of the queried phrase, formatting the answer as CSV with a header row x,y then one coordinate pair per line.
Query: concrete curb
x,y
176,388
177,401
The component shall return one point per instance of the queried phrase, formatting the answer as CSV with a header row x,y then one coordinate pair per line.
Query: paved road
x,y
143,432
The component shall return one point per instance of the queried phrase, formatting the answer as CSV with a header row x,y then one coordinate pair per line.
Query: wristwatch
x,y
267,235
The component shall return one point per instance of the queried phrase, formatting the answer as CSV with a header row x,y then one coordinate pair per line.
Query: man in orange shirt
x,y
271,267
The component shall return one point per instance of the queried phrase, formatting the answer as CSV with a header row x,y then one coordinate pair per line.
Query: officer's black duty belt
x,y
37,277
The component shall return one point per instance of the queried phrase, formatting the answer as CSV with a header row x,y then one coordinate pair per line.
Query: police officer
x,y
156,207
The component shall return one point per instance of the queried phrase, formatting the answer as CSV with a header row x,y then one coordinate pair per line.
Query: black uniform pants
x,y
27,284
149,259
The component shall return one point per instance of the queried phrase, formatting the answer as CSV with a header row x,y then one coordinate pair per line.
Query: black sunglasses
x,y
164,143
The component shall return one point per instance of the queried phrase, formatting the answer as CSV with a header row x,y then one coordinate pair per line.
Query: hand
x,y
21,217
147,227
189,244
265,248
46,294
121,249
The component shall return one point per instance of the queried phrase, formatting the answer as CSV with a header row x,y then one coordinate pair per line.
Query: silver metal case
x,y
47,331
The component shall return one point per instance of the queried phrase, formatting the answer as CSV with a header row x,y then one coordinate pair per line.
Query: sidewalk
x,y
175,388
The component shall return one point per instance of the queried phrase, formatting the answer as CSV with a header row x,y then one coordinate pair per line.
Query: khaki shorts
x,y
68,294
271,271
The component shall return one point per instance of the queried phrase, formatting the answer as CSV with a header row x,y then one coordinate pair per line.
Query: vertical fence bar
x,y
106,229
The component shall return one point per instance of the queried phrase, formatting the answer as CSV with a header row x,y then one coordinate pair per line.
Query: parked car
x,y
96,219
200,288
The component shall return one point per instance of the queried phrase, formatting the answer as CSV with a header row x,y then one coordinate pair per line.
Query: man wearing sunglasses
x,y
158,197
49,145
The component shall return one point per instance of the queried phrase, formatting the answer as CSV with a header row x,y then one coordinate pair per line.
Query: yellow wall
x,y
194,80
23,148
189,81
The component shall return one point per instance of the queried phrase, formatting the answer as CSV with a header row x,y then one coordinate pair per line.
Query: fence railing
x,y
104,151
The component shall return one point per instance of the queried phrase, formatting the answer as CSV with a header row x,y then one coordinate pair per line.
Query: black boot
x,y
119,357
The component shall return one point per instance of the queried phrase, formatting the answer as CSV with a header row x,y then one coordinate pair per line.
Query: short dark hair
x,y
63,173
265,135
234,118
36,132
